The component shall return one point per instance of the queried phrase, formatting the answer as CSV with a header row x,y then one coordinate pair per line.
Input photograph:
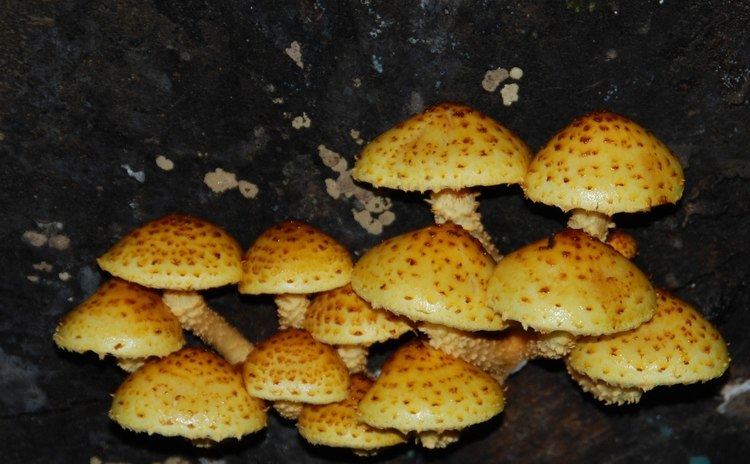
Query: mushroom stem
x,y
130,364
498,356
292,308
552,345
195,315
432,439
606,392
461,207
593,223
354,356
288,409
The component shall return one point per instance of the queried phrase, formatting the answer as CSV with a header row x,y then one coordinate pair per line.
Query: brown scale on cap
x,y
336,424
191,393
623,242
422,389
436,274
677,346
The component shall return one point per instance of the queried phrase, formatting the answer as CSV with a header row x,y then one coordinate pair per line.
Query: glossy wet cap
x,y
606,163
293,366
448,145
341,317
191,393
436,274
421,388
176,252
623,242
294,257
571,282
677,346
337,425
122,319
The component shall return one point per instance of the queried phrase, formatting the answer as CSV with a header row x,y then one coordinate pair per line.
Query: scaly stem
x,y
130,364
288,409
553,345
292,308
593,223
195,315
354,356
432,439
606,392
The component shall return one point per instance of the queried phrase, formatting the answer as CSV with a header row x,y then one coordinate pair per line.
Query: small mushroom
x,y
423,390
336,424
124,320
677,346
602,164
191,393
341,318
447,149
181,254
292,368
570,285
293,259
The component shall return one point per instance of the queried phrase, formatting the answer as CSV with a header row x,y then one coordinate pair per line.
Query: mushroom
x,y
336,424
447,149
292,259
292,368
124,320
570,285
340,317
438,276
180,254
623,243
191,393
603,164
423,390
677,346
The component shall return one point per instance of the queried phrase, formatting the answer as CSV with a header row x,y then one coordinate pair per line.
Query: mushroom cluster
x,y
470,316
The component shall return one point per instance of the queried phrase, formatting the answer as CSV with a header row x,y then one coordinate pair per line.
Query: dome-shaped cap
x,y
449,145
191,393
294,257
571,282
176,252
606,163
336,424
421,388
436,274
293,366
341,317
121,319
677,346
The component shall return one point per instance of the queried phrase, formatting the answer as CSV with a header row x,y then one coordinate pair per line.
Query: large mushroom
x,y
124,320
677,346
291,260
602,164
570,285
191,393
447,149
423,390
181,254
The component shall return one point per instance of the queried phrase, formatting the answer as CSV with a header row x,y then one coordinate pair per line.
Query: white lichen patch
x,y
44,266
64,276
59,242
294,51
515,73
357,82
493,78
164,163
140,176
219,180
301,121
278,100
32,278
509,93
34,238
730,391
354,134
248,189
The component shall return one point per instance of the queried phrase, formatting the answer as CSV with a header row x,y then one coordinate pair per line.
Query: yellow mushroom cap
x,y
176,252
677,346
606,163
571,282
294,257
337,425
293,366
122,319
623,243
341,317
436,274
191,393
421,388
448,145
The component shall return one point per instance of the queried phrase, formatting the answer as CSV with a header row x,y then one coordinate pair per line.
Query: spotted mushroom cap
x,y
436,274
571,282
677,346
341,317
294,257
447,146
623,242
293,366
191,393
122,319
606,163
176,252
336,424
421,388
